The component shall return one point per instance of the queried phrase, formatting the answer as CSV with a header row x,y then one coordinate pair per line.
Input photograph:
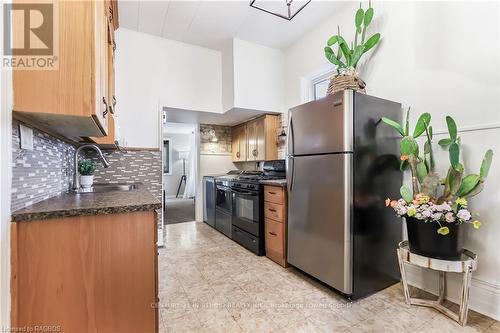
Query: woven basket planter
x,y
341,82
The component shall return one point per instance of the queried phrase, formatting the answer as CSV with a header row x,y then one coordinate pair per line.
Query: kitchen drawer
x,y
274,194
274,211
274,237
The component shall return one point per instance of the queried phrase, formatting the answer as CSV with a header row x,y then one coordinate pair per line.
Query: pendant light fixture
x,y
290,11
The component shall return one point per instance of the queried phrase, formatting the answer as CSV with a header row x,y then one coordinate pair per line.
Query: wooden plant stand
x,y
465,265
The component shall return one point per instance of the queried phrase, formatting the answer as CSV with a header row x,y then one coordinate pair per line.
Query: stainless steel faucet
x,y
76,180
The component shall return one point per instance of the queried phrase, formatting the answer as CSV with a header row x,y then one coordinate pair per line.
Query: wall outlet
x,y
26,136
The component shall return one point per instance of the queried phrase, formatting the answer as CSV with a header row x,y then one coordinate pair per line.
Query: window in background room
x,y
167,157
320,88
315,85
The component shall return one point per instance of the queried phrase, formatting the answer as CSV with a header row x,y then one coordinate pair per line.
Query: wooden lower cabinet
x,y
275,210
86,273
275,241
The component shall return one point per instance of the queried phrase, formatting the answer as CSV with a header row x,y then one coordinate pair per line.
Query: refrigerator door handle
x,y
289,176
290,145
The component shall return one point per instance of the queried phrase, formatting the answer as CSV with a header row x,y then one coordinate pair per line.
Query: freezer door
x,y
322,126
319,217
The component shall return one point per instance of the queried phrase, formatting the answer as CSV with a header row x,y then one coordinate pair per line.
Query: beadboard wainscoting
x,y
40,173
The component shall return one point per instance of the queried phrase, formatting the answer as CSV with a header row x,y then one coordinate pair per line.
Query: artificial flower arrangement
x,y
442,201
422,208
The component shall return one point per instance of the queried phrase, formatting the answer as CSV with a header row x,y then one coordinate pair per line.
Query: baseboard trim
x,y
484,296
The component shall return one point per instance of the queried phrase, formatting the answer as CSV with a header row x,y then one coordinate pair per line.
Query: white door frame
x,y
198,186
5,190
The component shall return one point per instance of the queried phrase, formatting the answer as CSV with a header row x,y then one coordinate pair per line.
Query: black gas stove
x,y
248,205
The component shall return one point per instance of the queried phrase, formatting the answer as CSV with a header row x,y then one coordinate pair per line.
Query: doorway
x,y
179,152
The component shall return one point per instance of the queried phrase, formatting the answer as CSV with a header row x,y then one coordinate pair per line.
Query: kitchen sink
x,y
103,188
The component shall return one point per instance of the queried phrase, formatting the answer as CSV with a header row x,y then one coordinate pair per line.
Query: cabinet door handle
x,y
238,154
273,233
114,100
114,47
105,111
254,152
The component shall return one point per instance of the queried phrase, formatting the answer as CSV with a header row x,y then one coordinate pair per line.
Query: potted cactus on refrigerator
x,y
347,56
436,209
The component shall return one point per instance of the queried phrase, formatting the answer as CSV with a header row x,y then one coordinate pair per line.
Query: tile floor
x,y
208,283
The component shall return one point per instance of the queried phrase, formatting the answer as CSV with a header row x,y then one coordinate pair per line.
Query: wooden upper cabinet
x,y
73,100
113,13
259,140
239,143
251,140
108,60
107,141
262,138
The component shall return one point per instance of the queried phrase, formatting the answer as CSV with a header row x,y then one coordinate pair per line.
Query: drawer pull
x,y
105,111
273,193
272,210
273,233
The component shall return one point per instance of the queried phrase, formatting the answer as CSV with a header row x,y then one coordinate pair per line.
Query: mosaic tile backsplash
x,y
46,171
130,167
40,173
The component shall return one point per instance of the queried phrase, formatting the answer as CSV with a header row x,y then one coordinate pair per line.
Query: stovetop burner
x,y
257,176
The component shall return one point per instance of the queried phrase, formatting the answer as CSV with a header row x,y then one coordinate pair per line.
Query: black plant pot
x,y
423,239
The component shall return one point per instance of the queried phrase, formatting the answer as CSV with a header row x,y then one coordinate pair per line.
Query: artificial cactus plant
x,y
432,198
348,56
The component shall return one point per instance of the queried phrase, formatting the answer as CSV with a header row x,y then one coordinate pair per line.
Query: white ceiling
x,y
210,23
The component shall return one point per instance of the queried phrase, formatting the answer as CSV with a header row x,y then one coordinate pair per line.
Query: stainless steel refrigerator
x,y
342,163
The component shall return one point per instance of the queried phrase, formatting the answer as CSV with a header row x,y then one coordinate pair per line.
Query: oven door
x,y
246,210
224,199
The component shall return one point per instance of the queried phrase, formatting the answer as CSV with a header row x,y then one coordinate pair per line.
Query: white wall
x,y
258,77
178,142
442,58
227,76
152,72
210,164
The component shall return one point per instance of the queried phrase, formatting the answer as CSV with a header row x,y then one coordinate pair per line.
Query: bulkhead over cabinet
x,y
74,99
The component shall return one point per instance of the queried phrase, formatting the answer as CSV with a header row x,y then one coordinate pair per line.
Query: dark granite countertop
x,y
68,204
275,182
